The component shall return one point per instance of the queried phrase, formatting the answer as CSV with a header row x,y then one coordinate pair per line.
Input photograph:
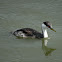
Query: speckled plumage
x,y
29,32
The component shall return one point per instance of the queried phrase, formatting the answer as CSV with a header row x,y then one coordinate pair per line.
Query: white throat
x,y
44,31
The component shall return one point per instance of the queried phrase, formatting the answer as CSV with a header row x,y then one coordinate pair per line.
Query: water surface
x,y
15,14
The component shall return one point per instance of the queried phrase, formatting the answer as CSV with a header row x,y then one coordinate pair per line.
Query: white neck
x,y
45,34
44,31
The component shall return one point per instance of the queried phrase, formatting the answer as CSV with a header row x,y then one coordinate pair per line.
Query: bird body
x,y
29,32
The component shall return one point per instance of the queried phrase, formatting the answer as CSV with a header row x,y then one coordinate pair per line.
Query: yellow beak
x,y
52,29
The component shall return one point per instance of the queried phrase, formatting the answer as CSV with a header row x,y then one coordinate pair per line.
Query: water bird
x,y
31,33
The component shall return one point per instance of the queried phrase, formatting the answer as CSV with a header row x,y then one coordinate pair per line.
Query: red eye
x,y
49,26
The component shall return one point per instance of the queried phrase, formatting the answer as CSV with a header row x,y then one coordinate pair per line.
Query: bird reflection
x,y
47,51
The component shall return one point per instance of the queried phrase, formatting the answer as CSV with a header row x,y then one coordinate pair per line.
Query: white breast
x,y
44,31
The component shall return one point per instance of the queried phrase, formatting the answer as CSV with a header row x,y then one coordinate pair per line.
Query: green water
x,y
15,14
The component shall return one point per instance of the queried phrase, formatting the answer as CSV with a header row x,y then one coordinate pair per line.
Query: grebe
x,y
28,32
